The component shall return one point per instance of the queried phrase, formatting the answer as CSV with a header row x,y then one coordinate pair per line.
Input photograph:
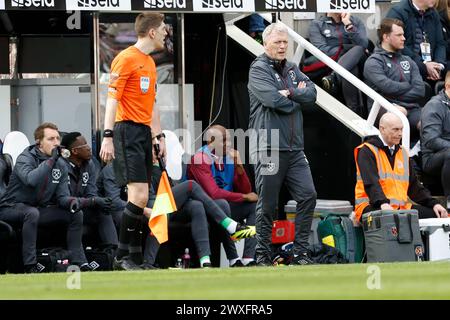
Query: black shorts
x,y
133,153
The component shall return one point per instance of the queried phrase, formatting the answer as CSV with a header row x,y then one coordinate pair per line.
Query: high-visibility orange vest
x,y
393,181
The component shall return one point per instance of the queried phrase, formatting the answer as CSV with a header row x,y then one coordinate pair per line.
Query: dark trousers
x,y
439,164
31,217
352,61
104,224
196,206
292,169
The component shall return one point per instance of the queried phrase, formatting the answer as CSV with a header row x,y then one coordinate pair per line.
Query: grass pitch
x,y
426,280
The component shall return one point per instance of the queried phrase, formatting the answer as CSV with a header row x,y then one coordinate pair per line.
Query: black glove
x,y
56,153
74,205
103,203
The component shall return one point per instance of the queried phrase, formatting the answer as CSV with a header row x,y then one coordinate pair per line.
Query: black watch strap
x,y
161,135
108,133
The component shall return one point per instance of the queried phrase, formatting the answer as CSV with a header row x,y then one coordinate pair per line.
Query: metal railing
x,y
303,44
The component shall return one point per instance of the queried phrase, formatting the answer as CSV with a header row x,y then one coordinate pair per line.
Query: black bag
x,y
324,254
100,259
53,259
320,254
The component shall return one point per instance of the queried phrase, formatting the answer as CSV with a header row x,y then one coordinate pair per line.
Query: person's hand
x,y
345,18
107,150
56,153
440,211
433,70
162,148
250,197
102,203
301,85
284,93
74,205
147,212
401,109
386,206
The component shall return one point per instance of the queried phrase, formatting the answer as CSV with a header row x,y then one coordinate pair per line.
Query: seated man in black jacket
x,y
38,194
435,140
82,183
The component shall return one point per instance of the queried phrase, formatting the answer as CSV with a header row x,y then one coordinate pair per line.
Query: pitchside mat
x,y
423,280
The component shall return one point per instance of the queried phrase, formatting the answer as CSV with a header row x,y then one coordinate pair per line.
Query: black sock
x,y
135,246
131,223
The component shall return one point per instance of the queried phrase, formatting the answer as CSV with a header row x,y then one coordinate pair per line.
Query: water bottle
x,y
186,259
179,264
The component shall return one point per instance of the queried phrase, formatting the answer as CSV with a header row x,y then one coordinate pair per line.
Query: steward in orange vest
x,y
385,177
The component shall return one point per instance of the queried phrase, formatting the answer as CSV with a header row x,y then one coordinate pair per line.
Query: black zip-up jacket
x,y
369,174
107,187
329,36
271,110
394,76
82,180
435,126
37,180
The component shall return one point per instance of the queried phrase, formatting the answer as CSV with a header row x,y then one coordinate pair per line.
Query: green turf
x,y
425,280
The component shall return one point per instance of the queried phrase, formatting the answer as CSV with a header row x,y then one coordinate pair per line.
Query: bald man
x,y
219,170
385,176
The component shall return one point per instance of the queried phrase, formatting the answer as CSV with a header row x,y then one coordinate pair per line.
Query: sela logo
x,y
224,5
217,4
285,4
98,4
165,4
349,4
367,6
33,3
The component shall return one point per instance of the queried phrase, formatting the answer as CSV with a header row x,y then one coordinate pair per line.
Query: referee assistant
x,y
131,110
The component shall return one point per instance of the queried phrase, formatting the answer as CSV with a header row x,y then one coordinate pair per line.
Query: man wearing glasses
x,y
83,174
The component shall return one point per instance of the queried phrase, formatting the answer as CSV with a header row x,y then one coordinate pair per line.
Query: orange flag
x,y
164,204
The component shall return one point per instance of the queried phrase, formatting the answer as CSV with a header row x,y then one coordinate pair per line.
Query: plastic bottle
x,y
186,259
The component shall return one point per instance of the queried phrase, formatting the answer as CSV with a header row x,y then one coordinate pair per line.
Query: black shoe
x,y
264,263
251,264
125,264
237,264
85,267
302,260
330,84
148,266
34,268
